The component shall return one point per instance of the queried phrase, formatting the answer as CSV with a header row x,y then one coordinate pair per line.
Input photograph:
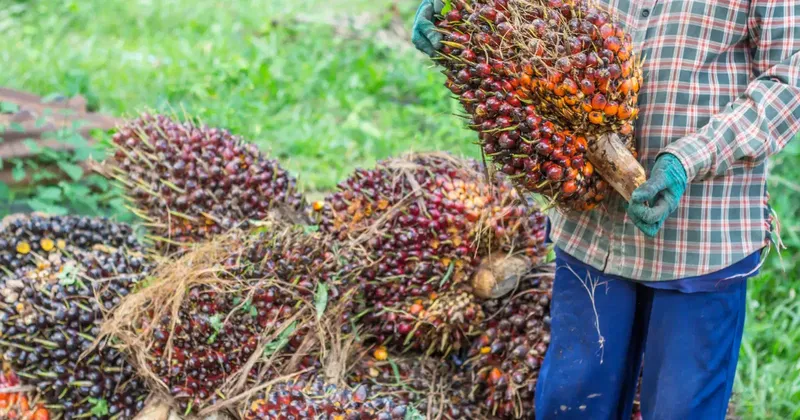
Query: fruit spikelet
x,y
189,182
540,79
426,220
438,325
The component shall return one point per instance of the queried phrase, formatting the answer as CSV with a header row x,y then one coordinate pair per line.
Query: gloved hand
x,y
424,34
663,191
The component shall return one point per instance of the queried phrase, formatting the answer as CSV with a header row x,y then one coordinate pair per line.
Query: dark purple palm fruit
x,y
27,238
315,399
189,182
503,362
538,78
50,318
261,281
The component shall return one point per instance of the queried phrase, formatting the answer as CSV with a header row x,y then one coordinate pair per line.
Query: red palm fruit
x,y
623,54
564,65
626,129
626,87
555,173
586,105
625,111
611,109
606,31
569,187
588,169
626,69
596,117
613,44
599,102
570,86
468,55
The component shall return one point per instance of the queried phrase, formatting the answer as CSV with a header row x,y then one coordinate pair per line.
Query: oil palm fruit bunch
x,y
19,405
503,362
314,399
426,220
23,239
189,182
50,318
540,79
216,305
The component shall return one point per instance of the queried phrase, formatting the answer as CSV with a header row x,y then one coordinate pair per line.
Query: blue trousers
x,y
601,327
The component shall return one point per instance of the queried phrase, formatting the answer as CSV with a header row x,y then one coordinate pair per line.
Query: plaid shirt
x,y
721,92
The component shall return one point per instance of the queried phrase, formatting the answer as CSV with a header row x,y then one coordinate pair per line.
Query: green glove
x,y
663,191
424,34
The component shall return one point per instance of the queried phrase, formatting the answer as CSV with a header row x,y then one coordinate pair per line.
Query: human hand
x,y
424,34
663,191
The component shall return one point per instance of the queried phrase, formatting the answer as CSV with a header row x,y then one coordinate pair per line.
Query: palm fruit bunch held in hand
x,y
52,307
542,81
239,308
427,220
190,182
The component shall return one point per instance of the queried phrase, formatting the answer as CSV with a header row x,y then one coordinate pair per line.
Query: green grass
x,y
325,102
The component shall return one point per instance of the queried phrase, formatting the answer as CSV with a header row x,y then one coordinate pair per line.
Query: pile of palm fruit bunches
x,y
419,288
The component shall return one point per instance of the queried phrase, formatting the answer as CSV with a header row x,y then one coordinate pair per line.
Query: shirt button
x,y
645,13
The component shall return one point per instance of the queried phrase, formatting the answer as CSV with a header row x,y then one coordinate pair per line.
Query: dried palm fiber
x,y
238,310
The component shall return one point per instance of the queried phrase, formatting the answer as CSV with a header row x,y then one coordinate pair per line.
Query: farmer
x,y
667,272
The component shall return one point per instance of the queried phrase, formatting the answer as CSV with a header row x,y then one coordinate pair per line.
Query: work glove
x,y
424,34
662,191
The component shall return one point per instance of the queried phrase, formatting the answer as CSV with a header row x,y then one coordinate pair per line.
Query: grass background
x,y
325,86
